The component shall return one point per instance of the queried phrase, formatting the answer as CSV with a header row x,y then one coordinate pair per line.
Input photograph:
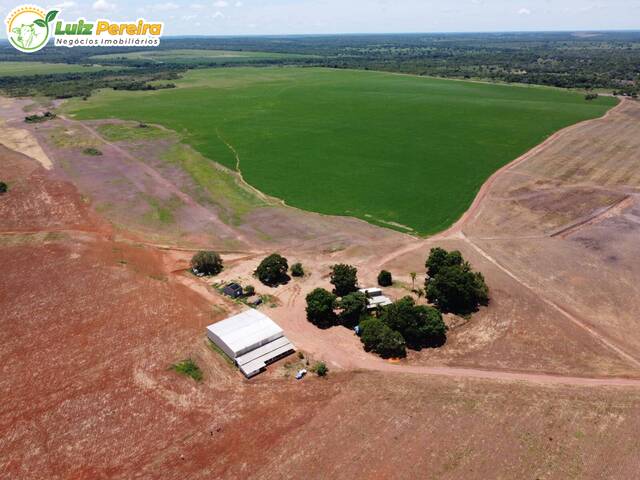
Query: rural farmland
x,y
397,151
193,56
230,257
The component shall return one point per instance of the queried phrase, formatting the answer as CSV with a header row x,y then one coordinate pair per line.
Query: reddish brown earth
x,y
541,384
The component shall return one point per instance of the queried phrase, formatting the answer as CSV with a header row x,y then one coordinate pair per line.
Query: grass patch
x,y
63,137
92,151
218,185
189,368
162,211
118,132
403,152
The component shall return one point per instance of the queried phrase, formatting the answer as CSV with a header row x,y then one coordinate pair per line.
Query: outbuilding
x,y
375,298
252,340
233,290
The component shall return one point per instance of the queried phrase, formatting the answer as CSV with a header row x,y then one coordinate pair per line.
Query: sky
x,y
275,17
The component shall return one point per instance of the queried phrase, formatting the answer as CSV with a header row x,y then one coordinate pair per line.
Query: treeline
x,y
67,85
602,60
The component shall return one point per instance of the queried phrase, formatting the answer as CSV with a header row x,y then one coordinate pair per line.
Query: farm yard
x,y
402,152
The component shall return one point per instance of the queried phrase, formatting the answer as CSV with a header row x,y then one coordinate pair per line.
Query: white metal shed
x,y
252,339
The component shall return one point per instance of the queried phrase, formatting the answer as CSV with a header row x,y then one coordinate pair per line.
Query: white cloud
x,y
220,4
239,4
103,6
65,4
166,6
218,14
524,11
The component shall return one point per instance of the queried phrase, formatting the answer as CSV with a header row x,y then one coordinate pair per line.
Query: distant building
x,y
233,290
252,340
375,298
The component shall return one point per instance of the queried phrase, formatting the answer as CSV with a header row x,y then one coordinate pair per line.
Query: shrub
x,y
344,278
3,187
92,151
40,118
377,337
591,96
419,325
208,263
320,308
249,291
353,306
385,279
297,270
272,271
453,286
320,369
190,368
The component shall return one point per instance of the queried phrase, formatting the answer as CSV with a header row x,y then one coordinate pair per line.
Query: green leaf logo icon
x,y
51,15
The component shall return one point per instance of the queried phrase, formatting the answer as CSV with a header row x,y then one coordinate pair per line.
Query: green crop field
x,y
401,151
197,56
13,69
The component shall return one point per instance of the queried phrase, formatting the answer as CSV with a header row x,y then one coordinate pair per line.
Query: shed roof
x,y
245,332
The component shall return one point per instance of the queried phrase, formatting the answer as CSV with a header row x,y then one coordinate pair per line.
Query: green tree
x,y
385,279
321,369
420,326
297,270
377,337
413,280
320,308
3,187
272,271
344,278
457,289
353,306
208,263
439,258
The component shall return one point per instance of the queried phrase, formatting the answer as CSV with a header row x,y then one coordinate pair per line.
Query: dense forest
x,y
598,60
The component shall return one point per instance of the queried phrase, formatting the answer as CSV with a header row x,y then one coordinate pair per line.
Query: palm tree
x,y
413,280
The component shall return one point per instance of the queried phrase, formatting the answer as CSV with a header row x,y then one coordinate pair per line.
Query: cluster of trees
x,y
400,325
452,285
344,306
83,84
39,118
396,327
142,86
